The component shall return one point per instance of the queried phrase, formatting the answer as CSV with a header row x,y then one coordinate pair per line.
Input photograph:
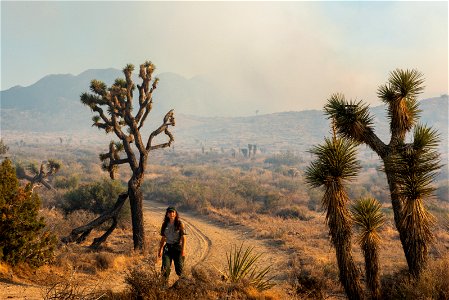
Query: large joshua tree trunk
x,y
120,120
136,199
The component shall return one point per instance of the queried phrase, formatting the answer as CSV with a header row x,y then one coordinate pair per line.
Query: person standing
x,y
173,243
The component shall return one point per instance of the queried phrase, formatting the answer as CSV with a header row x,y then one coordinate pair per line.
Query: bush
x,y
96,197
433,283
67,182
288,158
147,283
293,212
22,233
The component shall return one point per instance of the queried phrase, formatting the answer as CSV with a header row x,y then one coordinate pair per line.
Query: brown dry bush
x,y
432,284
313,280
71,288
104,260
145,282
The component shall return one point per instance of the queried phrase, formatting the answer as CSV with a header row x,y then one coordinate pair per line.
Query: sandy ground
x,y
207,243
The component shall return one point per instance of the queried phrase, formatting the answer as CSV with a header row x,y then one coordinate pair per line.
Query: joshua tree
x,y
353,121
335,165
39,175
414,168
118,118
367,215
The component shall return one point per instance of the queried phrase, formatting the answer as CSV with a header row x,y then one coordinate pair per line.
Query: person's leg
x,y
179,263
166,264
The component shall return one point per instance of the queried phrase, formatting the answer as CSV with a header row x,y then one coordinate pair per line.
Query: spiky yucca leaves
x,y
335,165
352,119
400,93
368,217
242,267
415,168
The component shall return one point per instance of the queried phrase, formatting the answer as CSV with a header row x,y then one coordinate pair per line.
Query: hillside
x,y
52,105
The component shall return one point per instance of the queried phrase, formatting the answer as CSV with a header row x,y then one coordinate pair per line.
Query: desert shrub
x,y
187,193
433,283
23,235
70,288
293,212
147,283
287,158
70,182
308,285
96,197
104,260
315,197
292,185
312,280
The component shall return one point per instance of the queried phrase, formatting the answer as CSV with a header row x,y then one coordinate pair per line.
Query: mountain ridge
x,y
52,105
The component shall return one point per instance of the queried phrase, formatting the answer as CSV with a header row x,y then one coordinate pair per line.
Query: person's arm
x,y
161,246
183,245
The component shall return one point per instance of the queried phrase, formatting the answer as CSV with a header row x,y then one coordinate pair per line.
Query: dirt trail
x,y
207,243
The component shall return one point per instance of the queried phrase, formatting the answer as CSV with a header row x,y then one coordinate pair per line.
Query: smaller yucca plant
x,y
242,267
368,217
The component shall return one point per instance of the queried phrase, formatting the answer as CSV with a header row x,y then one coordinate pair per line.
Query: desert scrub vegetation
x,y
433,282
145,282
23,235
242,268
96,197
202,187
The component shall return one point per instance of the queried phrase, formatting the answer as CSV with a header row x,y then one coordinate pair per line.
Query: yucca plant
x,y
368,217
354,122
415,168
335,165
242,266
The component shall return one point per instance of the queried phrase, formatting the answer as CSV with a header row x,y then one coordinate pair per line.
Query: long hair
x,y
178,223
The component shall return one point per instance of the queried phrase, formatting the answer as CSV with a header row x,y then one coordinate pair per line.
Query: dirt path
x,y
207,243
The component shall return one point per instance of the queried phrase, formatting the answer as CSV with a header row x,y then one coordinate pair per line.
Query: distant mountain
x,y
53,102
52,105
292,130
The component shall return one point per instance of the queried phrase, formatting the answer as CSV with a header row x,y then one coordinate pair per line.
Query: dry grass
x,y
432,284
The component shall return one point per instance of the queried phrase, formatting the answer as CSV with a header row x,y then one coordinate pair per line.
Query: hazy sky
x,y
278,56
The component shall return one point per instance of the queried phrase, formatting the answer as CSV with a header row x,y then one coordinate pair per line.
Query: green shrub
x,y
96,197
23,237
67,182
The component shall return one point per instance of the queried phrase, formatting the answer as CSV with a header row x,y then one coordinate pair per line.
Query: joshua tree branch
x,y
79,234
169,119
